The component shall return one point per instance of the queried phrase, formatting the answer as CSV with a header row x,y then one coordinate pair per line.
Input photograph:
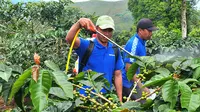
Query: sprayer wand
x,y
117,45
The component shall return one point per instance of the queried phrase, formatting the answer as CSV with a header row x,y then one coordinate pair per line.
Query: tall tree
x,y
184,19
165,13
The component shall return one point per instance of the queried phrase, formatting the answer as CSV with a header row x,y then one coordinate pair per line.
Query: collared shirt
x,y
135,46
101,60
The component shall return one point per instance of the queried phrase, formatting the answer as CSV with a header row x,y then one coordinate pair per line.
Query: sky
x,y
15,1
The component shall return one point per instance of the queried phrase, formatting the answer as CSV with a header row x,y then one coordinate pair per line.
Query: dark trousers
x,y
134,96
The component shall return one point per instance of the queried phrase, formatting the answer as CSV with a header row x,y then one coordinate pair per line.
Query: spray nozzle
x,y
92,29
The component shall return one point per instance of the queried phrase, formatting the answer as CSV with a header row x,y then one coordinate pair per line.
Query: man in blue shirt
x,y
136,46
102,58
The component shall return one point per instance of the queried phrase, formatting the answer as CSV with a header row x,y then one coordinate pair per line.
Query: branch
x,y
135,84
97,94
148,94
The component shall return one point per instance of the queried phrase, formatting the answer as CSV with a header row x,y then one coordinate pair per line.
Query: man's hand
x,y
146,90
81,23
86,23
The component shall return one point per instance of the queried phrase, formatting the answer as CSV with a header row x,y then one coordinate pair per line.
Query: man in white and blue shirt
x,y
136,46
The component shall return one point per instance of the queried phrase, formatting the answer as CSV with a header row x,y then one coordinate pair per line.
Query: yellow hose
x,y
70,51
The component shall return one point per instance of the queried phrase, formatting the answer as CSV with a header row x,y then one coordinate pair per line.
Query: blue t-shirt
x,y
101,60
135,46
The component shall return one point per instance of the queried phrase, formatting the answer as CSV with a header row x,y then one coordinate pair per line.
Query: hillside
x,y
117,10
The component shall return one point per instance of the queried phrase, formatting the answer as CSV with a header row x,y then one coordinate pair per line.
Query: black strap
x,y
88,53
86,56
115,48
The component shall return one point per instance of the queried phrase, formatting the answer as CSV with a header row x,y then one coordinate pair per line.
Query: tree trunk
x,y
184,20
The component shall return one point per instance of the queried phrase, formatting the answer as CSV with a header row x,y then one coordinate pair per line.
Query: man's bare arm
x,y
118,83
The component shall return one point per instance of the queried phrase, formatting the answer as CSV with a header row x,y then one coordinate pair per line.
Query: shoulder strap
x,y
86,56
115,48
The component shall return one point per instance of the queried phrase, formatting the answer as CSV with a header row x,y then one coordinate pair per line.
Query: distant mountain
x,y
117,10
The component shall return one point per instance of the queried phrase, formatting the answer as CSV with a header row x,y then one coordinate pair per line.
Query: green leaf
x,y
2,67
1,87
194,66
189,80
96,76
86,82
165,108
114,97
194,102
80,76
52,65
148,60
185,64
64,106
17,69
120,110
5,72
176,64
140,63
131,71
197,91
185,94
131,105
61,80
58,92
196,73
163,71
99,78
39,90
99,86
196,60
157,80
147,104
6,90
170,92
19,82
78,102
6,75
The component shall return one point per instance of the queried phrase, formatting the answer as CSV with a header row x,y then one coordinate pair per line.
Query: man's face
x,y
107,32
145,34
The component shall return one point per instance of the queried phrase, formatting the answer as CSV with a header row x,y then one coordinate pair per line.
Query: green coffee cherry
x,y
110,99
124,97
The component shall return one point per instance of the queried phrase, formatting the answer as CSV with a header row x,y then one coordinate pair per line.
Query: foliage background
x,y
41,27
